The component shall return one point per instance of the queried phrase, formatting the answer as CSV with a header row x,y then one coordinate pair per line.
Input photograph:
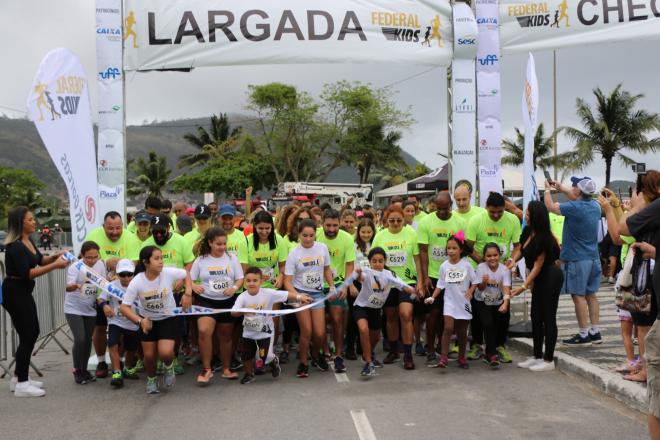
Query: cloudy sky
x,y
30,28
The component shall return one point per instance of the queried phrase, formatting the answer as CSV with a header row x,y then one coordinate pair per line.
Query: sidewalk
x,y
596,363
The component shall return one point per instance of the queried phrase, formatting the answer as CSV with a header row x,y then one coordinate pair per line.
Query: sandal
x,y
230,376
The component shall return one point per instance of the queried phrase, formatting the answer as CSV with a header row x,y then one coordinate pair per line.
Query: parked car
x,y
3,235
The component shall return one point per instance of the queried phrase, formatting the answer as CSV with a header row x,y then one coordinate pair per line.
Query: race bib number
x,y
218,285
438,253
364,263
88,290
376,301
312,280
253,323
492,298
397,259
455,275
153,302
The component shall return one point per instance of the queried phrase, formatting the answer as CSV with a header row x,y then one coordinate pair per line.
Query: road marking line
x,y
342,377
362,425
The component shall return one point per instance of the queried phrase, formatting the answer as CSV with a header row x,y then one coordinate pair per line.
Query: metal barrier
x,y
5,331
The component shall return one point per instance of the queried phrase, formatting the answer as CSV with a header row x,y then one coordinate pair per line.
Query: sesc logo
x,y
467,41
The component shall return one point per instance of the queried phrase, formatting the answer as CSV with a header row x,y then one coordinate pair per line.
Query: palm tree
x,y
615,127
151,176
543,150
219,141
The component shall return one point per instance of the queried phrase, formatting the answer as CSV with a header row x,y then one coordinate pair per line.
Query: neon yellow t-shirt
x,y
289,244
128,246
434,232
341,249
176,251
237,245
627,241
420,216
557,226
481,230
400,249
473,212
267,259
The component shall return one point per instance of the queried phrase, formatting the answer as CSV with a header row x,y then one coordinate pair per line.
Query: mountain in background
x,y
21,147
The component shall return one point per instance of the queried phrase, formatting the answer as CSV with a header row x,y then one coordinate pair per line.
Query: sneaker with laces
x,y
152,385
463,363
275,368
236,364
169,377
443,361
453,353
368,370
101,370
504,356
321,363
475,352
432,360
14,381
116,380
531,361
130,374
89,377
408,363
25,389
419,349
376,363
284,357
204,376
139,366
391,358
577,340
595,338
216,364
493,361
79,377
340,367
303,371
542,366
178,367
246,379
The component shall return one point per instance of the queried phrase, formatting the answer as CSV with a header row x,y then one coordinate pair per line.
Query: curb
x,y
629,393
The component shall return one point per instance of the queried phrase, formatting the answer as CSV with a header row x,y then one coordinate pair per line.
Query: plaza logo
x,y
539,14
408,28
110,193
64,101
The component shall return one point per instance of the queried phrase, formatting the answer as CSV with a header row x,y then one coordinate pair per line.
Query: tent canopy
x,y
437,180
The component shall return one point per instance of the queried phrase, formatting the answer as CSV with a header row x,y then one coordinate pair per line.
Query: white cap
x,y
587,186
125,266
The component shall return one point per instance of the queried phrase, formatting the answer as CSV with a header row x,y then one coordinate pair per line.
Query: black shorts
x,y
373,316
248,348
397,297
220,318
101,320
167,328
131,337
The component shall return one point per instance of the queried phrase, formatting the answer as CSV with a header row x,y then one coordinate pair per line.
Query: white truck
x,y
337,194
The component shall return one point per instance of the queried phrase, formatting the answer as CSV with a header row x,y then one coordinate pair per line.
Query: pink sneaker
x,y
443,361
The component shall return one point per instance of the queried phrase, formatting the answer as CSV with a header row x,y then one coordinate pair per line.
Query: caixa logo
x,y
90,209
110,194
467,41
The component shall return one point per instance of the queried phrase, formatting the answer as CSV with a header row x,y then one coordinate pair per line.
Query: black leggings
x,y
545,299
495,325
17,300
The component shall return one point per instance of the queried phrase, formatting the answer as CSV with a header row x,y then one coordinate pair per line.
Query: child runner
x,y
456,281
152,287
119,326
258,328
80,309
492,299
375,285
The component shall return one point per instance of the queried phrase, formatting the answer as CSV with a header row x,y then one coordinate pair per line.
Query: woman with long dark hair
x,y
24,263
544,278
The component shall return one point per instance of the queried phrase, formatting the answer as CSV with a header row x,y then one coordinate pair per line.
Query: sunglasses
x,y
125,274
395,220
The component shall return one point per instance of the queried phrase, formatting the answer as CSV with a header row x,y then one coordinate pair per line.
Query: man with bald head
x,y
464,208
432,235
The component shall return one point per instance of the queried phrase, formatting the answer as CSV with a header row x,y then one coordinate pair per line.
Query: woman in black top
x,y
545,278
24,263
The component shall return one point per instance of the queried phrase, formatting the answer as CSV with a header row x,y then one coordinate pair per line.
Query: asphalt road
x,y
509,403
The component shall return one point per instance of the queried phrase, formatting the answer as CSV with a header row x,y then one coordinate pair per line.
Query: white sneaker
x,y
14,381
530,362
25,389
543,366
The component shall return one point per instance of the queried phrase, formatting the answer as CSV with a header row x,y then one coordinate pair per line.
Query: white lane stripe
x,y
362,425
342,377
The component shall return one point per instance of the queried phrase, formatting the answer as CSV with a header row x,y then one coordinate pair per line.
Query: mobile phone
x,y
630,189
548,177
603,193
639,184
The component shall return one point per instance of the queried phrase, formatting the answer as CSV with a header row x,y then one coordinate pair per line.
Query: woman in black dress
x,y
24,263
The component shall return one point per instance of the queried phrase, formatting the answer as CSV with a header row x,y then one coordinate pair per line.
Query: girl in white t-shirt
x,y
456,282
306,267
80,309
221,276
492,299
159,328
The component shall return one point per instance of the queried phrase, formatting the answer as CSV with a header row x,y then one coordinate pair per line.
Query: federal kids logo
x,y
408,28
540,14
129,25
63,101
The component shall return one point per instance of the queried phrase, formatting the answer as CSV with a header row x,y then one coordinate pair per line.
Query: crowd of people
x,y
422,281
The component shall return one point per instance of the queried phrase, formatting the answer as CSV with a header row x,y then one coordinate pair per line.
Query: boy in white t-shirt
x,y
257,327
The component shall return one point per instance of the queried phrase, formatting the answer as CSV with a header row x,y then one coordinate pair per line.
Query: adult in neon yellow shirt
x,y
143,229
236,240
342,259
419,213
464,209
202,222
152,206
400,245
557,226
267,251
432,235
175,250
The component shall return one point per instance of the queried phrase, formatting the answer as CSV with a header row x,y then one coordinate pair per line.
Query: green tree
x,y
19,187
397,173
543,150
150,176
211,144
612,127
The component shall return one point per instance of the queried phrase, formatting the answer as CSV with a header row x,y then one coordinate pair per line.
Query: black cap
x,y
202,212
161,220
142,216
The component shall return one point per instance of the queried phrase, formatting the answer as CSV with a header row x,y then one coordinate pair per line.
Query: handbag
x,y
634,292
